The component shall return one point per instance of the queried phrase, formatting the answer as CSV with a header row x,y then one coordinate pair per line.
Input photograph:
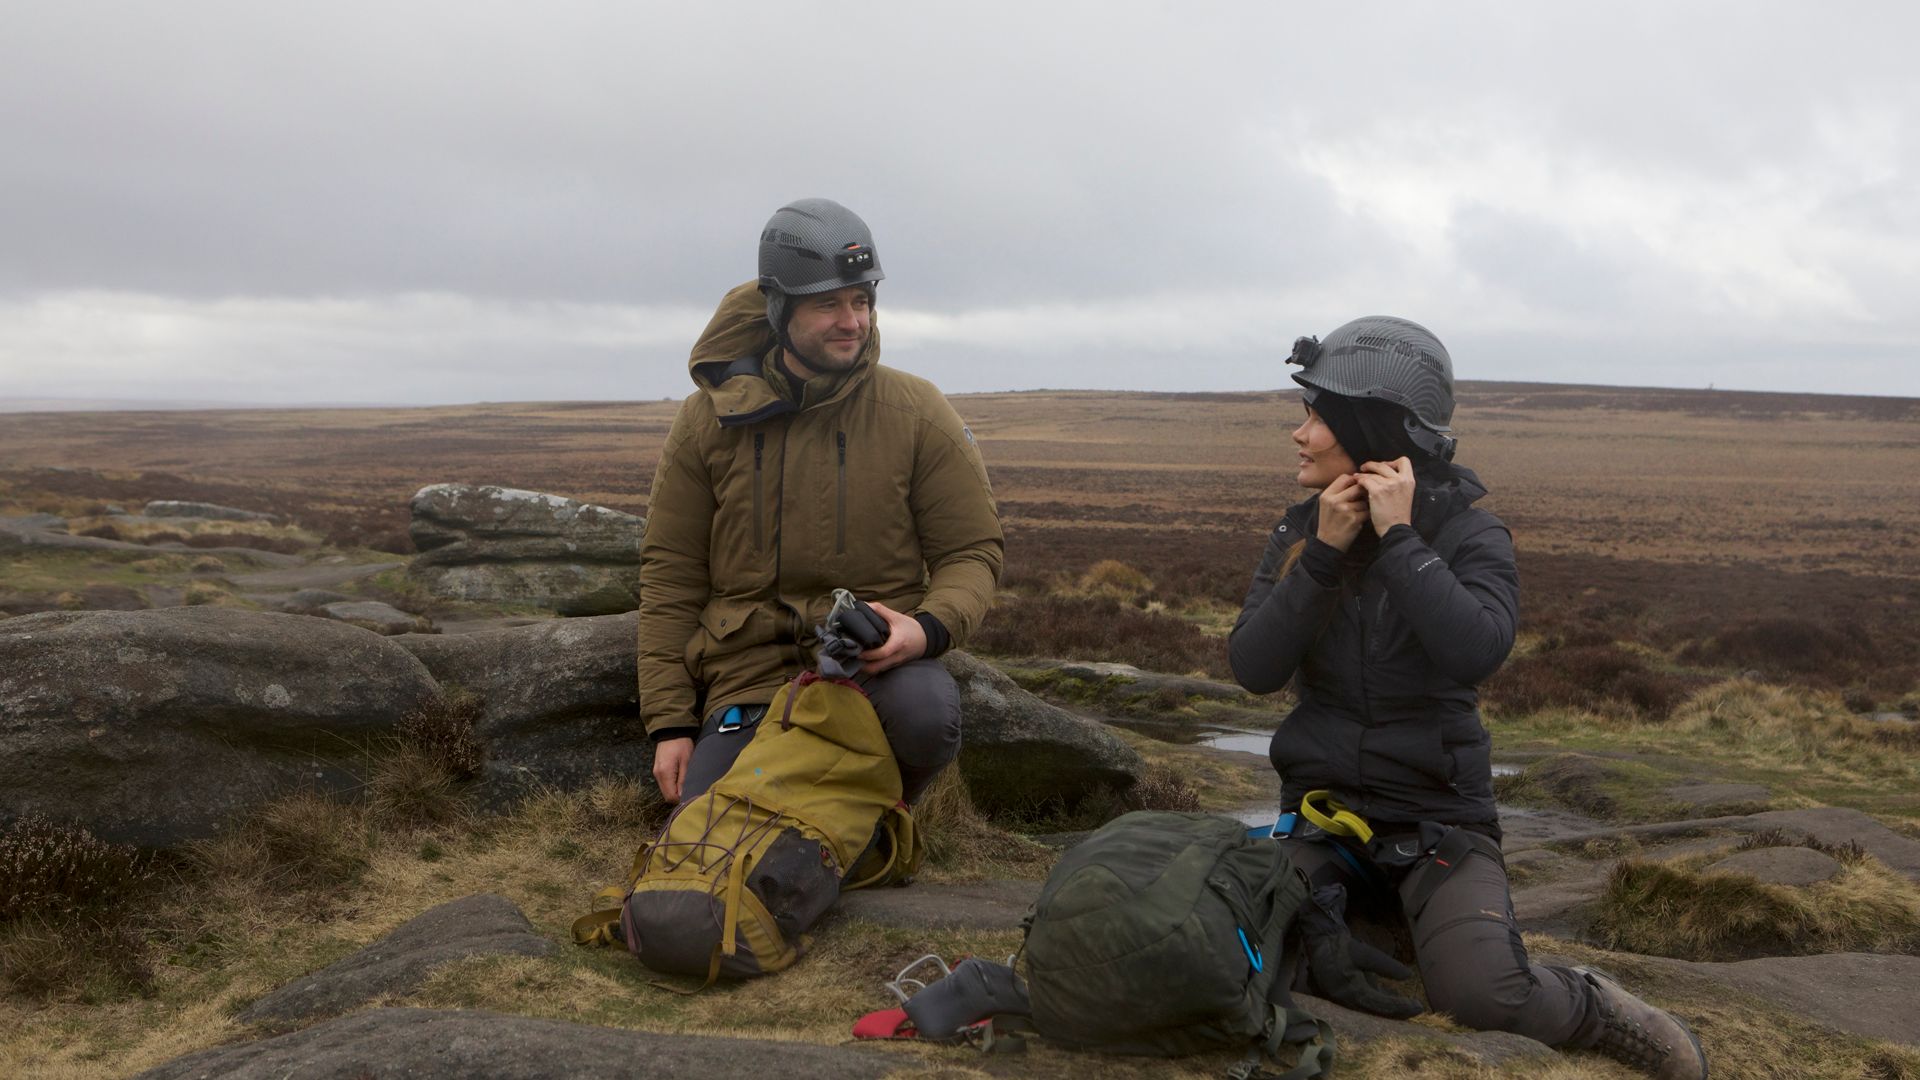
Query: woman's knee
x,y
1485,992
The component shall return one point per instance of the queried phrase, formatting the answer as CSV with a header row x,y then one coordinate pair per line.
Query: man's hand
x,y
906,640
1343,510
670,757
1389,487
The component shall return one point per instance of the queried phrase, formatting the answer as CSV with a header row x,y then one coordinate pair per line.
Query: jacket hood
x,y
727,358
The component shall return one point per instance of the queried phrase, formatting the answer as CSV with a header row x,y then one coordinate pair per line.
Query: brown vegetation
x,y
1681,909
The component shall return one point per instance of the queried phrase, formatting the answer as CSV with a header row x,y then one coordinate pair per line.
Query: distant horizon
x,y
86,404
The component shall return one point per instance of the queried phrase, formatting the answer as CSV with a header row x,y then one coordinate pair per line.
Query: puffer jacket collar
x,y
727,362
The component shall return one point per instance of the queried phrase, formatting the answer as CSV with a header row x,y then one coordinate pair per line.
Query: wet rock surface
x,y
469,1045
478,925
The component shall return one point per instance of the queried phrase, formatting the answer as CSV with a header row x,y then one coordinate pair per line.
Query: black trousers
x,y
1467,944
919,709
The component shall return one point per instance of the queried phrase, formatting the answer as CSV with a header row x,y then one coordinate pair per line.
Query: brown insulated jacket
x,y
761,508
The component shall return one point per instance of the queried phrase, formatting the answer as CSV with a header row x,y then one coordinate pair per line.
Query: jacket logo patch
x,y
1426,564
968,432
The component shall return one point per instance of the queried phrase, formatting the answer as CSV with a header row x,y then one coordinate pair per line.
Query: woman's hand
x,y
1343,510
1389,488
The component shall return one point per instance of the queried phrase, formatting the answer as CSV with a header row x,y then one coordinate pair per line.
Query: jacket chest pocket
x,y
724,629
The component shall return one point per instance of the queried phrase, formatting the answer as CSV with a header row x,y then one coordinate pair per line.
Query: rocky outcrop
x,y
376,616
155,727
41,522
479,925
1780,865
561,701
430,1044
17,538
1017,751
176,508
506,546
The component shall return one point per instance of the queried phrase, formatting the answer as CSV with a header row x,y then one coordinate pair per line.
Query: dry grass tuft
x,y
91,959
1795,722
1678,909
1112,579
1163,789
210,590
960,840
446,730
411,787
304,846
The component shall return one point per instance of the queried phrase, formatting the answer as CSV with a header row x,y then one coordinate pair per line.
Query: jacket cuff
x,y
1399,534
1321,561
660,735
939,640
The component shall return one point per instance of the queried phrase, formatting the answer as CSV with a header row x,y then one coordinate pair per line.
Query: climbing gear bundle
x,y
1163,934
743,871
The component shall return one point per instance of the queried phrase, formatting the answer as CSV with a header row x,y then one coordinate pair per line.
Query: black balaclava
x,y
1373,430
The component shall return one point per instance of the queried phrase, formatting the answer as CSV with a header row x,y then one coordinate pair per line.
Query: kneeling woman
x,y
1385,597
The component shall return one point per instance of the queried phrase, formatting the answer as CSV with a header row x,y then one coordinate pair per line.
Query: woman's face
x,y
1322,461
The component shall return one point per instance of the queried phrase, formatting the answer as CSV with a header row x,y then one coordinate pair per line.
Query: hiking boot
x,y
1637,1034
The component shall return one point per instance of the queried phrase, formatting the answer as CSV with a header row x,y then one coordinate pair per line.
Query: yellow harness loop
x,y
1335,819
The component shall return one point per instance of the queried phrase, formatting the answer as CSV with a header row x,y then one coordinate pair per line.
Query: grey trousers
x,y
1468,947
919,709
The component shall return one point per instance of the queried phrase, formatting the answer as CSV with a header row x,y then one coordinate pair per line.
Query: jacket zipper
x,y
840,503
759,442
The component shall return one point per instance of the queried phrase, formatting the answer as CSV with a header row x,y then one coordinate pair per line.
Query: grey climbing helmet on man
x,y
813,246
1386,359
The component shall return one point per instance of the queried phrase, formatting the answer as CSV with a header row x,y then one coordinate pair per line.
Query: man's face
x,y
828,330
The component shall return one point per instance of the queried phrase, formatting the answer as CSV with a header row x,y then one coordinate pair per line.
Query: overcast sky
x,y
447,202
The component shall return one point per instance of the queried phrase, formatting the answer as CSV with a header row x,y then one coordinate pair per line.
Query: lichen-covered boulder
x,y
156,727
1017,751
507,546
560,697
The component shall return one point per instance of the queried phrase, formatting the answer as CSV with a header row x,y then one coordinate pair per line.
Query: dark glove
x,y
1337,965
852,627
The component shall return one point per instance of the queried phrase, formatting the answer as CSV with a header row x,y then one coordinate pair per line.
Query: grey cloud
x,y
1108,155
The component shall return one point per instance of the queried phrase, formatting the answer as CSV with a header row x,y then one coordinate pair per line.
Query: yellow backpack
x,y
741,872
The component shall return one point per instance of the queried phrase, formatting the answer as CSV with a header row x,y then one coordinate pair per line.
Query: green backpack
x,y
1162,934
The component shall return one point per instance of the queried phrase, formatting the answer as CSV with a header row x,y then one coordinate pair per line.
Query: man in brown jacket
x,y
800,465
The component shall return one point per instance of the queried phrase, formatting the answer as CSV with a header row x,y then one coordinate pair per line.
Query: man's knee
x,y
919,707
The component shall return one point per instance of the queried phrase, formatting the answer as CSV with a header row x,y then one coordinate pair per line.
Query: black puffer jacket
x,y
1385,662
